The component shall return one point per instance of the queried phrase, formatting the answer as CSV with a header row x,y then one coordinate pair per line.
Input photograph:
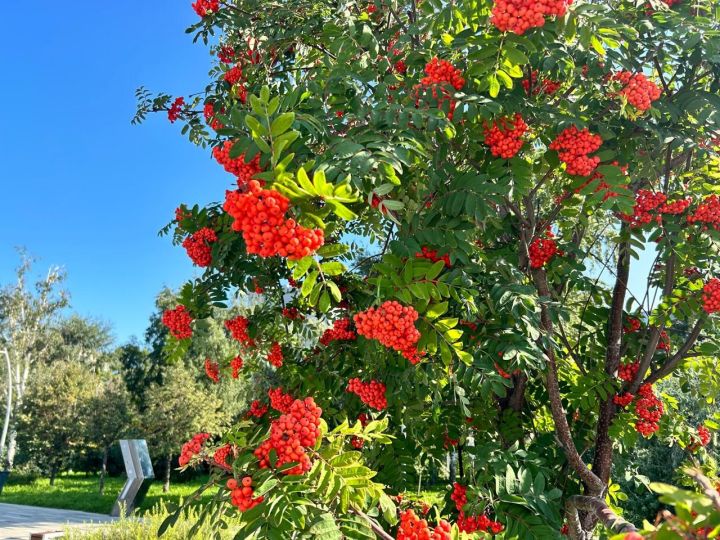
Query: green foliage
x,y
53,419
520,360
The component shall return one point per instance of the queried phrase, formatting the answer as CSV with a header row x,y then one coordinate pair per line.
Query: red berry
x,y
178,321
393,325
371,393
260,216
198,246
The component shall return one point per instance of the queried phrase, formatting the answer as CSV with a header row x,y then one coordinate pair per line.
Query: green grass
x,y
77,491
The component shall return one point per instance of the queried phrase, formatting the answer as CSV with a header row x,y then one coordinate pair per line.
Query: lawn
x,y
78,491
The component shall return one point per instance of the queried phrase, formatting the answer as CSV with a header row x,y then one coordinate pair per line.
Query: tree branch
x,y
600,510
679,356
562,429
705,484
374,525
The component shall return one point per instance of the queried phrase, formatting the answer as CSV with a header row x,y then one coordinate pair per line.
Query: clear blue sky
x,y
79,186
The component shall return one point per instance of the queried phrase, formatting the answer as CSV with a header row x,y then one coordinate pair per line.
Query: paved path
x,y
17,522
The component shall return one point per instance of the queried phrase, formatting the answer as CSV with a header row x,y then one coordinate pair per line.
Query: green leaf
x,y
309,283
282,123
494,85
434,270
333,268
436,310
325,528
302,266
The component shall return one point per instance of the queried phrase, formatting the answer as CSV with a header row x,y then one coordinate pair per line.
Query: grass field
x,y
77,491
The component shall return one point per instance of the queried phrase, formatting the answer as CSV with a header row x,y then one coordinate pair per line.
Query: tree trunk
x,y
8,410
53,474
168,464
12,448
103,470
602,464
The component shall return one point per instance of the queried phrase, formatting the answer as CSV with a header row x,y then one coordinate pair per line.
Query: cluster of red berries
x,y
459,496
236,365
546,86
260,216
212,370
704,435
257,409
222,454
182,213
664,343
413,528
178,321
650,206
340,331
518,16
442,72
632,325
471,524
290,435
205,7
649,410
602,185
504,137
624,399
242,494
628,372
574,147
542,249
432,255
639,91
393,325
192,448
358,442
238,328
279,400
226,54
198,246
371,393
440,76
233,75
275,356
175,109
292,313
711,296
244,171
707,212
210,118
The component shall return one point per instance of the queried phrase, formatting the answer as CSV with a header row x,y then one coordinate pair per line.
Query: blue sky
x,y
80,186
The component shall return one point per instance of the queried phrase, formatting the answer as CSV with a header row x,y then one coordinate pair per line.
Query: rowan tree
x,y
459,190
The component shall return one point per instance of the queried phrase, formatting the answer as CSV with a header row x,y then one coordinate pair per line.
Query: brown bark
x,y
597,507
602,463
562,429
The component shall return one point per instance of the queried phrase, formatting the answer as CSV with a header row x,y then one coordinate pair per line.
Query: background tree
x,y
175,411
53,421
26,320
109,416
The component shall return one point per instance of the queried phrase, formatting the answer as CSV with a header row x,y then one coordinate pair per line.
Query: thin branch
x,y
374,525
706,485
679,356
656,60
